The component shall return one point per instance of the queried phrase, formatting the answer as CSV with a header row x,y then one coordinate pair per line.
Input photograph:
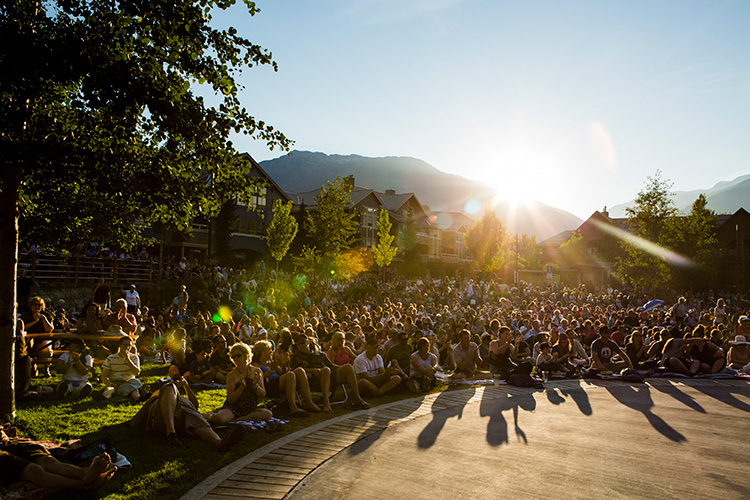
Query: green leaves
x,y
383,251
282,230
485,239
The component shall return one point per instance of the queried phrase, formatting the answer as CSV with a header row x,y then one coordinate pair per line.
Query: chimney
x,y
604,212
349,180
390,192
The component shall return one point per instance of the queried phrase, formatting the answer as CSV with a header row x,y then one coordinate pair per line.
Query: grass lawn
x,y
158,472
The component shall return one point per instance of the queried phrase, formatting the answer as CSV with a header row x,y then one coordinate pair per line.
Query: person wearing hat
x,y
743,327
133,299
738,356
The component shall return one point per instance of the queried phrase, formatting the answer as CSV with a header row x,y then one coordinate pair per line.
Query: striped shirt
x,y
119,370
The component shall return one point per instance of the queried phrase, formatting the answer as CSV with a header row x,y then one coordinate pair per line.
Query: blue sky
x,y
572,103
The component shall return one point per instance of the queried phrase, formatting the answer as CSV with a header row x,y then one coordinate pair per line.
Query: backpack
x,y
524,380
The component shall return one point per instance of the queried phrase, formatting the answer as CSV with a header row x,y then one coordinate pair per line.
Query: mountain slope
x,y
723,197
304,171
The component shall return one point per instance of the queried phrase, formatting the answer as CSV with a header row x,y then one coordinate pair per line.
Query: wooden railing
x,y
80,269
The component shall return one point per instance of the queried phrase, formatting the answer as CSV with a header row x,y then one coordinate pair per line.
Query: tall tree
x,y
281,231
383,251
643,263
485,239
332,225
103,125
694,236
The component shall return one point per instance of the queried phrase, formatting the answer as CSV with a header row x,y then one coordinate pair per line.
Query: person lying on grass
x,y
169,413
22,460
245,387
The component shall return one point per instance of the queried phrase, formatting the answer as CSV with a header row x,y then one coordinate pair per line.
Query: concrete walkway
x,y
677,439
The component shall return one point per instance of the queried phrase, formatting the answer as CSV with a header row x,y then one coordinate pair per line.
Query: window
x,y
369,223
257,199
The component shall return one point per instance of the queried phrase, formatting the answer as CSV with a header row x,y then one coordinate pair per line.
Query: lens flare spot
x,y
225,313
472,207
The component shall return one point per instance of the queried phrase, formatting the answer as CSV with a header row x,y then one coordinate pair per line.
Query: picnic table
x,y
56,336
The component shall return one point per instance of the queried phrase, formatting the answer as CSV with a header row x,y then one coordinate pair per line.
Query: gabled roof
x,y
556,240
450,221
267,177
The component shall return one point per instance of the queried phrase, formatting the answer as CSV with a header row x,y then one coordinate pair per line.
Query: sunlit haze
x,y
570,103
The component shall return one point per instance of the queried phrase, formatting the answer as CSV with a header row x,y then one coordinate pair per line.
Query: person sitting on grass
x,y
467,359
245,388
220,360
373,377
119,372
423,367
121,316
201,371
74,366
278,382
169,413
22,460
304,353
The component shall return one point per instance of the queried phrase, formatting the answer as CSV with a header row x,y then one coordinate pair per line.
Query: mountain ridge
x,y
302,171
722,197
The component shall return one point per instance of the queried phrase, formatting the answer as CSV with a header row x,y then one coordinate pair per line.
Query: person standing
x,y
102,295
133,299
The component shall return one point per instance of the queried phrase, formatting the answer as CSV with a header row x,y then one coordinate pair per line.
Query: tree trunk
x,y
8,263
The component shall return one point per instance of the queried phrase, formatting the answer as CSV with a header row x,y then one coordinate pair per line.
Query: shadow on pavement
x,y
639,399
497,427
378,418
578,395
725,395
677,394
452,399
580,398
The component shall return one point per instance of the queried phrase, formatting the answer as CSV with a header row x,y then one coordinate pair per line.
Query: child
x,y
74,366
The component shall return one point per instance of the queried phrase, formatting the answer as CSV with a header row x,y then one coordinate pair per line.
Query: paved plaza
x,y
665,439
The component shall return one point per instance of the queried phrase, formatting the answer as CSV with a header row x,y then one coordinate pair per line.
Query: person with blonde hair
x,y
245,388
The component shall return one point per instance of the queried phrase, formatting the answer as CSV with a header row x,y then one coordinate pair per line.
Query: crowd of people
x,y
263,339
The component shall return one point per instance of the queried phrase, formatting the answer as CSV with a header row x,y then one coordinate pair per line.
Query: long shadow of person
x,y
677,394
725,394
497,426
639,399
377,421
581,399
446,405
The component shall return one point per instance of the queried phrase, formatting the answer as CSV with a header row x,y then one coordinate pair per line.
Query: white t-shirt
x,y
430,362
363,364
72,374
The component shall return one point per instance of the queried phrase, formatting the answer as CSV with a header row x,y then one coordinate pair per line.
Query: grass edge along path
x,y
158,472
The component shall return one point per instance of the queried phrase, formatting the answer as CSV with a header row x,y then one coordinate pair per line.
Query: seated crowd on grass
x,y
375,338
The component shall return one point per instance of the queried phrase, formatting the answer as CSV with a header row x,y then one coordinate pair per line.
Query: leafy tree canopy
x,y
332,225
485,239
104,124
103,120
282,230
383,251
